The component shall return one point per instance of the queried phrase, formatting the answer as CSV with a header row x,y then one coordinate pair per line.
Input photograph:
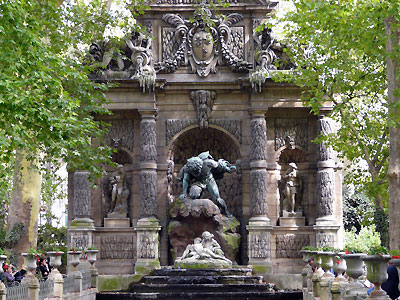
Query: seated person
x,y
20,275
8,275
44,268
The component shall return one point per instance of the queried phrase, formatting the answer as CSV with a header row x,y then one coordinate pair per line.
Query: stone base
x,y
263,269
292,221
207,264
191,217
116,222
144,268
291,214
117,215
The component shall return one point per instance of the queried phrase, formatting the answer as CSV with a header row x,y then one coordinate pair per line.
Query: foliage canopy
x,y
339,50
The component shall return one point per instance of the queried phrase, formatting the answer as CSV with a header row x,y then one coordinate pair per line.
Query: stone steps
x,y
160,288
222,284
290,295
202,279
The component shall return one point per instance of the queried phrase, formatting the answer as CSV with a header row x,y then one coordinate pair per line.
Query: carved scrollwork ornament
x,y
264,58
203,46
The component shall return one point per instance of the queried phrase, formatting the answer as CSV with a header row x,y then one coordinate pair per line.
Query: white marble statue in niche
x,y
290,189
119,194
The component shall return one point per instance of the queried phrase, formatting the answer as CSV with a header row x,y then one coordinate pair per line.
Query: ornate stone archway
x,y
194,141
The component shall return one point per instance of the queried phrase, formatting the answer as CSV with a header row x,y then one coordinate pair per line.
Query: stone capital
x,y
258,112
148,113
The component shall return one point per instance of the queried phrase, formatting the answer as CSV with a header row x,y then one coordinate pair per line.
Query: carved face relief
x,y
203,47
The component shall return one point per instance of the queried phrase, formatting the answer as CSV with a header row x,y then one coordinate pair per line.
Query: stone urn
x,y
2,260
396,262
91,256
339,266
327,277
326,262
354,269
29,262
377,274
55,258
74,258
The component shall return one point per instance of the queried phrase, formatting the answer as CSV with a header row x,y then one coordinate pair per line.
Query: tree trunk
x,y
392,34
24,206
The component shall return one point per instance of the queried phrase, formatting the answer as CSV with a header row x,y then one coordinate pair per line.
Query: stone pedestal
x,y
117,222
3,291
57,277
292,221
147,245
338,290
33,286
80,232
259,249
326,235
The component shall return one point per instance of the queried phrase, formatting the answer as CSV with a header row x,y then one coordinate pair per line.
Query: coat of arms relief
x,y
202,45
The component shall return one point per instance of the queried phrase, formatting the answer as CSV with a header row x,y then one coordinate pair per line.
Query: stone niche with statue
x,y
192,93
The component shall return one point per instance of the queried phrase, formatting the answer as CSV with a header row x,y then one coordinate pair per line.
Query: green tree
x,y
47,102
339,50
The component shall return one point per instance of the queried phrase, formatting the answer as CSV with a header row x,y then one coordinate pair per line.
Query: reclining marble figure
x,y
204,250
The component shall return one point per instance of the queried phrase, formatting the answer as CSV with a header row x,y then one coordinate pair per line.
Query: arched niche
x,y
285,157
122,157
192,142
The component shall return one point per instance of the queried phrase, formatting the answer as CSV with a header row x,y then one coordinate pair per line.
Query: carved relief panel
x,y
117,246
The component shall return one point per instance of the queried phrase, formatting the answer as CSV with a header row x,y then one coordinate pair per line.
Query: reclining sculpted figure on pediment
x,y
205,251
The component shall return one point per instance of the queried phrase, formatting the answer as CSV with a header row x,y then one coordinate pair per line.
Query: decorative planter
x,y
306,255
30,262
339,266
326,260
396,262
377,274
2,260
74,258
55,258
354,268
91,256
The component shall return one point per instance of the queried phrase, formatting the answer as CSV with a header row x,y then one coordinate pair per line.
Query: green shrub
x,y
367,238
378,250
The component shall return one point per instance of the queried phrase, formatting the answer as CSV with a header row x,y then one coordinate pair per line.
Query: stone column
x,y
80,232
326,226
259,228
148,225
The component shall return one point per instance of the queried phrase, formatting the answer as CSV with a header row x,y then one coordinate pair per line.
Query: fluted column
x,y
326,224
259,228
148,226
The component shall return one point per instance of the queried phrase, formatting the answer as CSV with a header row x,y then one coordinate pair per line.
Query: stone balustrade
x,y
57,286
348,287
